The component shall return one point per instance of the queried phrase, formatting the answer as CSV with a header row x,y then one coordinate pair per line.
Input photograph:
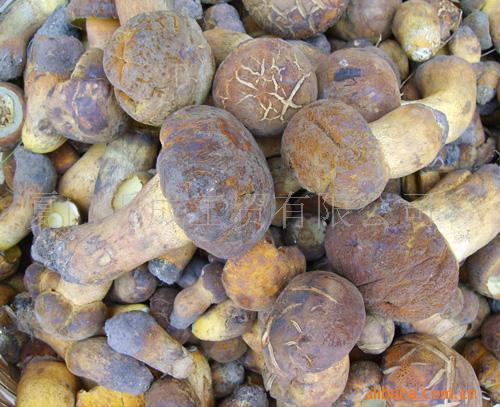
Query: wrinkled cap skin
x,y
216,179
295,18
396,257
264,82
315,322
158,62
333,152
428,370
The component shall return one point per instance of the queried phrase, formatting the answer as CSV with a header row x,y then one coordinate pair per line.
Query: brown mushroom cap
x,y
333,152
84,107
170,392
295,19
82,9
319,389
60,317
264,82
158,62
366,19
363,377
420,364
216,179
315,322
397,257
362,79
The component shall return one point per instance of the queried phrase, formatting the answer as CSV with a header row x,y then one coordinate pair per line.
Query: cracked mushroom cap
x,y
333,152
216,179
158,62
428,370
396,256
264,82
295,18
315,322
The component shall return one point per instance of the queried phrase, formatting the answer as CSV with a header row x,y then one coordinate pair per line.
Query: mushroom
x,y
483,270
18,23
46,382
255,279
366,19
137,334
314,389
222,16
123,159
315,322
251,84
78,182
224,351
84,107
364,379
12,113
426,369
134,287
489,334
237,198
171,392
128,9
417,28
246,395
98,17
222,322
51,60
371,154
370,247
161,305
227,377
377,334
150,86
34,178
94,359
194,300
486,366
287,19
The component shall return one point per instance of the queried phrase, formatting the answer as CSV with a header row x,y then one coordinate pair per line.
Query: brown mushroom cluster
x,y
249,203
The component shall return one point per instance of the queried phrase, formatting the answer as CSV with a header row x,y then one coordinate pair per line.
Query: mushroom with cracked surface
x,y
264,82
315,322
428,369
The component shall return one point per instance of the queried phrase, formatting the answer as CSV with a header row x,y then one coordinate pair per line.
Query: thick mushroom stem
x,y
400,153
464,207
95,253
448,85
